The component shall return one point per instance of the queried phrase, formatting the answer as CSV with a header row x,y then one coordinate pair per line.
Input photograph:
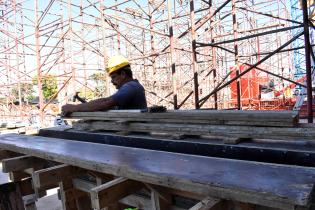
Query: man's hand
x,y
68,109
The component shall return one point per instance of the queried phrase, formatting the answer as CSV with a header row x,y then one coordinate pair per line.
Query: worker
x,y
130,94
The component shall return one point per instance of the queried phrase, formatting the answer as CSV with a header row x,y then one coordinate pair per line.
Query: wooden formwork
x,y
110,176
31,175
123,177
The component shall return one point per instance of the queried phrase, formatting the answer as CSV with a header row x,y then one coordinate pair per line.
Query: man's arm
x,y
91,106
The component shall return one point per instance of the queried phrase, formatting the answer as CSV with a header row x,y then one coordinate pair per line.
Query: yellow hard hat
x,y
115,63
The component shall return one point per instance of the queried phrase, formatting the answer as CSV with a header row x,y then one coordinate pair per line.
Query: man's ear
x,y
123,74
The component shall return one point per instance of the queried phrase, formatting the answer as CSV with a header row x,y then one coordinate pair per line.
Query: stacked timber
x,y
205,123
210,117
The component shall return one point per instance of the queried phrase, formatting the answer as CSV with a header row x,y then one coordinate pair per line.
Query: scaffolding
x,y
188,54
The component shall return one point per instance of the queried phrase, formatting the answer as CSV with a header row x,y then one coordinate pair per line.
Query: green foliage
x,y
26,92
49,85
99,79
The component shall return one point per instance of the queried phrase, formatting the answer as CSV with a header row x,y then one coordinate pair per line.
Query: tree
x,y
26,92
99,79
49,85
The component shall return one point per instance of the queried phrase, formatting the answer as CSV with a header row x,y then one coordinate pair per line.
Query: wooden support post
x,y
101,177
206,204
39,193
111,192
83,185
67,195
73,199
52,176
158,203
11,197
24,180
21,163
86,186
17,176
28,193
62,175
26,187
160,199
245,206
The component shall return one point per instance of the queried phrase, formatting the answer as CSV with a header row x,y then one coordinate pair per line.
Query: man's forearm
x,y
95,105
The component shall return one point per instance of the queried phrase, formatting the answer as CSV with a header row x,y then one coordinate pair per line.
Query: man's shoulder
x,y
133,83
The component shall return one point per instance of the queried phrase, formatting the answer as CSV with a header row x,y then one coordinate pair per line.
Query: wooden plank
x,y
278,133
72,198
26,187
83,185
227,117
126,120
173,191
199,114
159,192
11,197
160,199
137,201
296,152
206,204
111,192
101,176
15,176
158,202
53,175
142,202
270,185
8,154
21,163
67,201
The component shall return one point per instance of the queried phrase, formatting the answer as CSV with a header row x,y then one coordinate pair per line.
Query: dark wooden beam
x,y
53,175
206,204
111,192
21,163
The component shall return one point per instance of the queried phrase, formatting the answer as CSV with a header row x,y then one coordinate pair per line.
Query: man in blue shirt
x,y
130,94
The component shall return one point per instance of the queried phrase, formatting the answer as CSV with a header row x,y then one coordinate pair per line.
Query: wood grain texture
x,y
111,192
250,182
215,117
235,131
21,163
11,197
206,204
51,176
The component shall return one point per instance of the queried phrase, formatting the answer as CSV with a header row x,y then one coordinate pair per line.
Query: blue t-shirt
x,y
131,96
